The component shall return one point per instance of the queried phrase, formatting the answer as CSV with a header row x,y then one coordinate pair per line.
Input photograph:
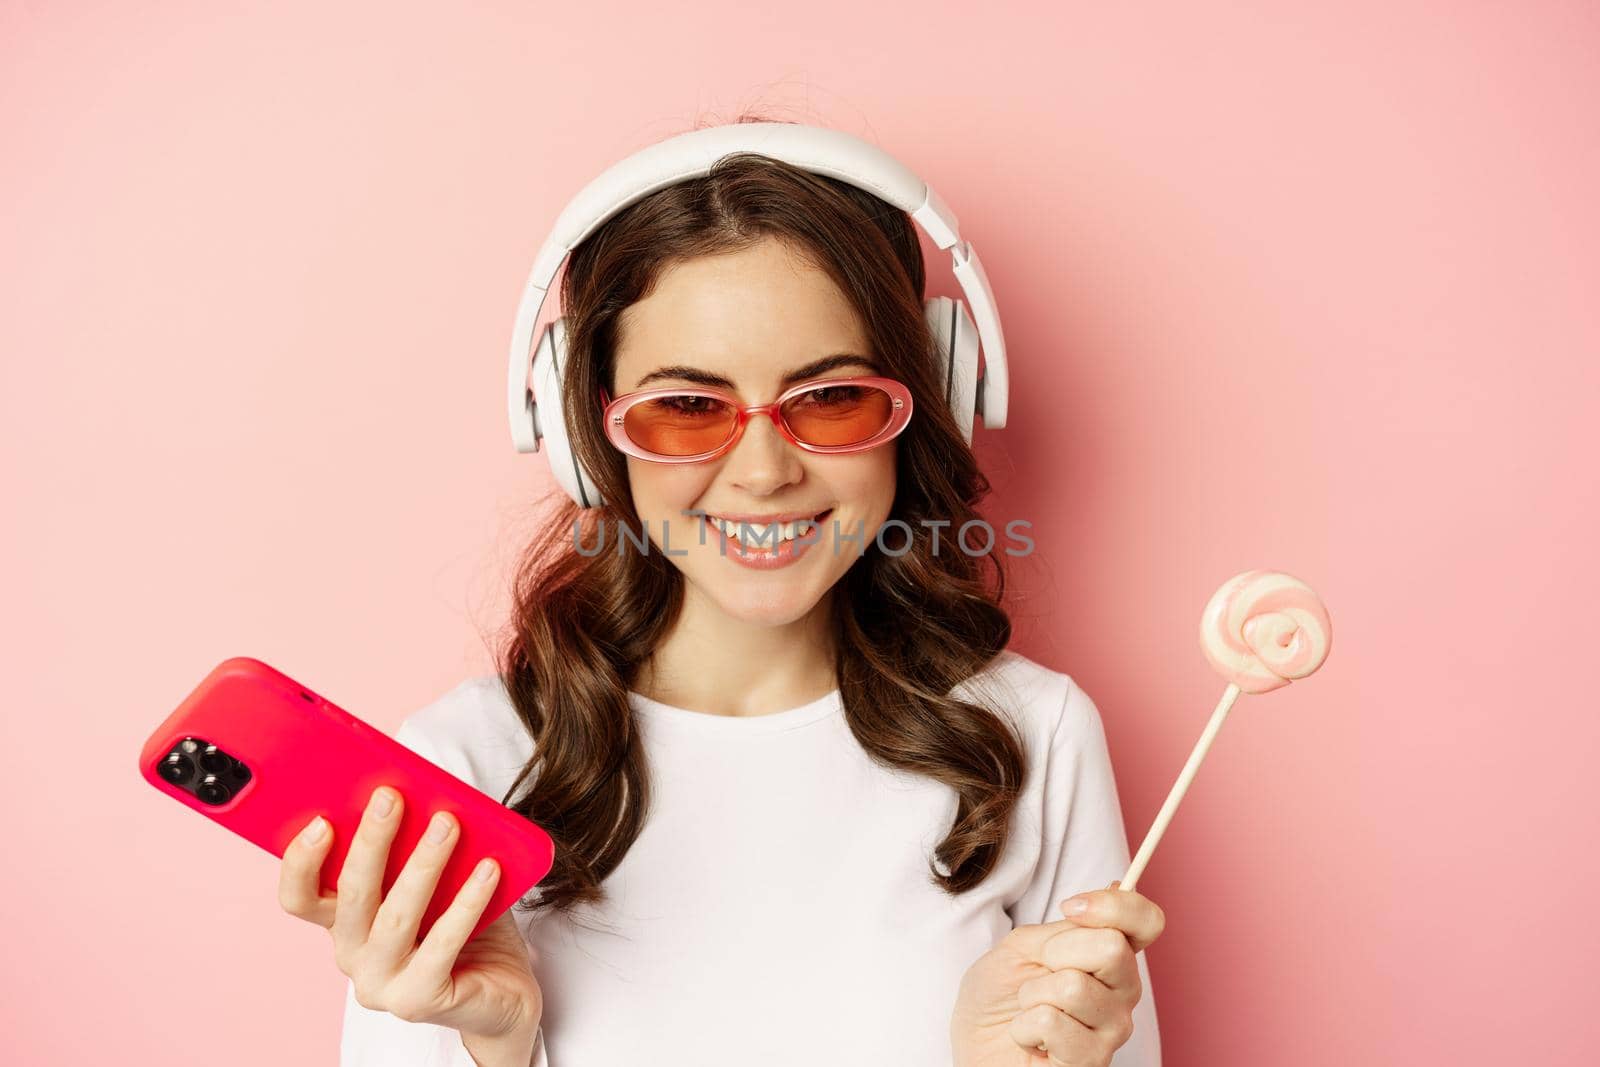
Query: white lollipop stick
x,y
1261,630
1179,788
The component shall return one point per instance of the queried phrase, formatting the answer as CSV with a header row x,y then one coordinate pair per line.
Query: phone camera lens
x,y
212,791
176,768
215,760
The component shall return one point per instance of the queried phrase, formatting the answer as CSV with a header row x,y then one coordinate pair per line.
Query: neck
x,y
720,665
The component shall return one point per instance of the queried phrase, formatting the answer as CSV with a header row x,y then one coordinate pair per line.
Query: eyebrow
x,y
810,370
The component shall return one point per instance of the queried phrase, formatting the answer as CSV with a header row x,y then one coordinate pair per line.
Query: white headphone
x,y
691,155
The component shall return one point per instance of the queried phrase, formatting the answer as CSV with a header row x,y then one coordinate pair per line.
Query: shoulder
x,y
471,730
1046,704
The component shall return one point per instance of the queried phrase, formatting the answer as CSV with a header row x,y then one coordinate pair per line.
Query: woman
x,y
833,814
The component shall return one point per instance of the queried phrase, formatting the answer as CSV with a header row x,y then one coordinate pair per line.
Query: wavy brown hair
x,y
907,628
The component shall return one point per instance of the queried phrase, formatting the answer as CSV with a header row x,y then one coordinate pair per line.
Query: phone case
x,y
301,756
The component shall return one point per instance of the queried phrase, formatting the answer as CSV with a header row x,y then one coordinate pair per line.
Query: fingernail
x,y
382,803
485,870
314,830
1074,906
439,828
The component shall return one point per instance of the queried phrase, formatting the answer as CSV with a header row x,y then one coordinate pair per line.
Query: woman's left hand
x,y
1061,993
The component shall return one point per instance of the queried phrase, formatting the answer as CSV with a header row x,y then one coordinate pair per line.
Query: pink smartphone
x,y
261,754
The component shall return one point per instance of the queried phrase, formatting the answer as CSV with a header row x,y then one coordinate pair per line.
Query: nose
x,y
762,460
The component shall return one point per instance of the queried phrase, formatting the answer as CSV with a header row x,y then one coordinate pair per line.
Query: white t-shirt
x,y
778,906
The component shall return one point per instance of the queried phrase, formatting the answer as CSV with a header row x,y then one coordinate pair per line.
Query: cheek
x,y
863,486
660,490
868,481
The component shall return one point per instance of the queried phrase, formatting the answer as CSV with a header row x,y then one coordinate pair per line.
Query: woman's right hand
x,y
484,987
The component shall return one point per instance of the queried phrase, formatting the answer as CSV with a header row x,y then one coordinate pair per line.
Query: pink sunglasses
x,y
690,425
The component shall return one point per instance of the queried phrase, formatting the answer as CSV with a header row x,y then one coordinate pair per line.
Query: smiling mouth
x,y
764,543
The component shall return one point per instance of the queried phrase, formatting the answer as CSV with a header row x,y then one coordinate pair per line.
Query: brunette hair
x,y
907,627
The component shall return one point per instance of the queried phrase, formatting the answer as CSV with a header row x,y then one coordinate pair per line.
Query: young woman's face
x,y
756,318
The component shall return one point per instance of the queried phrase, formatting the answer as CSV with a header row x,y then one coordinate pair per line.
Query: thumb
x,y
1063,904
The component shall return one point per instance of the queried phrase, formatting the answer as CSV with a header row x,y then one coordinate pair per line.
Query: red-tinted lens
x,y
832,415
680,425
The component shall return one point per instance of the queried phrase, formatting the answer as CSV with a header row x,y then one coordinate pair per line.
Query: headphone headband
x,y
691,155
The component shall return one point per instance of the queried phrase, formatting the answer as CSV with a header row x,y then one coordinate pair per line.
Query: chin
x,y
776,605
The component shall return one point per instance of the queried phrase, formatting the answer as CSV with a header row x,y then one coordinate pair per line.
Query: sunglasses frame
x,y
614,412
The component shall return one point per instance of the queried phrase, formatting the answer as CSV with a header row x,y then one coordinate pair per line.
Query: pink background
x,y
1300,286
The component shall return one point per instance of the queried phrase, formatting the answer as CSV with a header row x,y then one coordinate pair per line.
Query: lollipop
x,y
1261,630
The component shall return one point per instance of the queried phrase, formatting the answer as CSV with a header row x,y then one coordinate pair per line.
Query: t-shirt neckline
x,y
830,703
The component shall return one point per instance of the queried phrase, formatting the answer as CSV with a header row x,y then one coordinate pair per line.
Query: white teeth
x,y
757,535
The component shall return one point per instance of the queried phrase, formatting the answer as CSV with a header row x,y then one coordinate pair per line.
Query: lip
x,y
762,520
761,559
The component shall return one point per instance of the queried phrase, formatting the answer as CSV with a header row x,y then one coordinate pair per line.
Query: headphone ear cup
x,y
549,422
955,348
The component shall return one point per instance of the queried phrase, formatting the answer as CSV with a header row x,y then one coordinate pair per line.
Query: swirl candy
x,y
1261,630
1264,629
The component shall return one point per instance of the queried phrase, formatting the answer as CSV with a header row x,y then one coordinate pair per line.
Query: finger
x,y
1064,1039
1102,953
300,877
1078,995
453,928
394,926
1136,915
360,883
